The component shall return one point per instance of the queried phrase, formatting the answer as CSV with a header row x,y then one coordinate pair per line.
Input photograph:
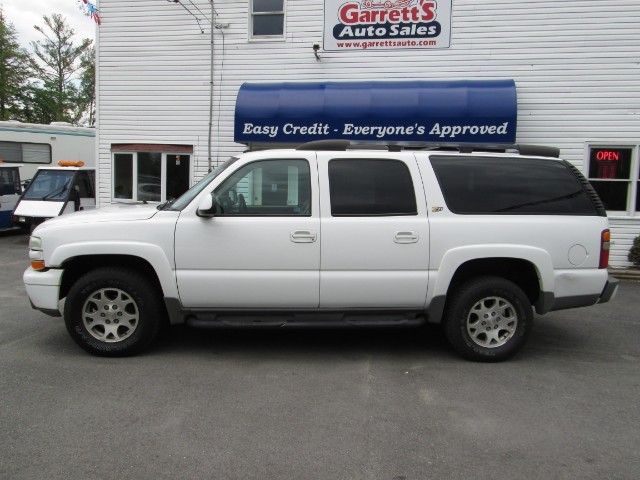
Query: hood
x,y
113,213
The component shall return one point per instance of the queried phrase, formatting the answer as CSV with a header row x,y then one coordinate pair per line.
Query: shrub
x,y
634,252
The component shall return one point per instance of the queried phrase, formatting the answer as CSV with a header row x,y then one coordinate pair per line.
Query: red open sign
x,y
607,155
610,163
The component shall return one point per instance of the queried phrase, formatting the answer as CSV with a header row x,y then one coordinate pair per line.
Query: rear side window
x,y
493,185
361,187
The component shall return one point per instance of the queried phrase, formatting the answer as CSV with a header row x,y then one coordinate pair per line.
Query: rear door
x,y
375,231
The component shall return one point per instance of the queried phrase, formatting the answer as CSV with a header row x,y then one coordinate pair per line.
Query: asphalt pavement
x,y
318,404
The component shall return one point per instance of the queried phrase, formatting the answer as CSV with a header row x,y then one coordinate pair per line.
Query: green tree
x,y
38,105
56,62
86,106
14,70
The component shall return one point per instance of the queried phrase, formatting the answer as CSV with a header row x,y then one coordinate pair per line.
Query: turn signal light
x,y
37,264
605,245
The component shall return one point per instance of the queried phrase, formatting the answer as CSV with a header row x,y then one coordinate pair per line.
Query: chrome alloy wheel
x,y
110,315
491,322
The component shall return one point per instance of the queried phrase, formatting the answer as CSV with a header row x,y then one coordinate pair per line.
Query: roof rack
x,y
344,145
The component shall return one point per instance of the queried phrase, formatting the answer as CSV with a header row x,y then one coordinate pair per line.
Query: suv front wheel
x,y
113,312
488,319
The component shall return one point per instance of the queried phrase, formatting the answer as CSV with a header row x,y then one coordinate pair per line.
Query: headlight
x,y
35,243
35,253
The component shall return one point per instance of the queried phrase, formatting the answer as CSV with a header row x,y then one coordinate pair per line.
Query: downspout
x,y
210,163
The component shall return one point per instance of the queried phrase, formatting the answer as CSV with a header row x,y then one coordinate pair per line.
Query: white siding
x,y
575,63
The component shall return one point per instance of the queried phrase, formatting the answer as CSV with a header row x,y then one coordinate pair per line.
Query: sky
x,y
24,14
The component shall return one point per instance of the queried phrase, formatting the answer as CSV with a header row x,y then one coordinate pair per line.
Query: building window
x,y
150,176
371,188
614,173
267,19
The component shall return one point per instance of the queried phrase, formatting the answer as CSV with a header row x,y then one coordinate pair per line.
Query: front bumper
x,y
43,289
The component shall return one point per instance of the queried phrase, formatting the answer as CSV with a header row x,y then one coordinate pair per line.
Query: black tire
x,y
113,312
488,319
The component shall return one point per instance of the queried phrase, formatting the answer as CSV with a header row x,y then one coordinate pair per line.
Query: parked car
x,y
53,191
331,235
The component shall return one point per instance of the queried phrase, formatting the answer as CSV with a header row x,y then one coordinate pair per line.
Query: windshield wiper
x,y
166,205
56,192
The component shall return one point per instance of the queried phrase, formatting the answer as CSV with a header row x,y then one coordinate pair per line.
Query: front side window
x,y
362,187
614,174
267,187
500,185
85,181
267,19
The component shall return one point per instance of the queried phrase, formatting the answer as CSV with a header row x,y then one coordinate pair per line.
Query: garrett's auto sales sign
x,y
386,24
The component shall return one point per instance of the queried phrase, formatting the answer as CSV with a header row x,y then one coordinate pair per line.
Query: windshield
x,y
193,192
50,185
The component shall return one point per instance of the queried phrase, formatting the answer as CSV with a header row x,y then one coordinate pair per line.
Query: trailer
x,y
34,145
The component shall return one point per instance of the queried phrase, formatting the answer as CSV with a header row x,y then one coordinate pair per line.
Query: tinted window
x,y
371,187
510,186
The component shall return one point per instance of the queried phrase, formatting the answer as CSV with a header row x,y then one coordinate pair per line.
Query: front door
x,y
263,250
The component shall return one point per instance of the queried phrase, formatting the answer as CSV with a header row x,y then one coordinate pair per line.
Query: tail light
x,y
605,244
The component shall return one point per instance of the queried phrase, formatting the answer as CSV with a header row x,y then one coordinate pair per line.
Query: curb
x,y
625,273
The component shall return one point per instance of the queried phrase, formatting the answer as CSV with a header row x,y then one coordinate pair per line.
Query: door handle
x,y
303,236
406,237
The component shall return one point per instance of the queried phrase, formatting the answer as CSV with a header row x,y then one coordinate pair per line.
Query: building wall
x,y
575,64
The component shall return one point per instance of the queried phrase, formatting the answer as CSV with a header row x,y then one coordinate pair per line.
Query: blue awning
x,y
463,111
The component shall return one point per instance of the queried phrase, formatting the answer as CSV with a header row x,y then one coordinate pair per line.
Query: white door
x,y
375,232
263,251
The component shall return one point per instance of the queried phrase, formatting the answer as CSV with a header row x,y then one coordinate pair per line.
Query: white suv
x,y
329,234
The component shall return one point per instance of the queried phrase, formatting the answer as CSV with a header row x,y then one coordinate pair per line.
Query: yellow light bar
x,y
70,163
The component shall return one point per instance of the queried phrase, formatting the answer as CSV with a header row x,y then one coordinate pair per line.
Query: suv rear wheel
x,y
488,319
113,312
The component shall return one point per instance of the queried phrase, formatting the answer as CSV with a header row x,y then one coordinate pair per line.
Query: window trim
x,y
267,215
633,189
372,215
454,205
23,161
134,173
267,38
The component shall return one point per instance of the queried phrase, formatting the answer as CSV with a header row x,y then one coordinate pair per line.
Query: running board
x,y
239,319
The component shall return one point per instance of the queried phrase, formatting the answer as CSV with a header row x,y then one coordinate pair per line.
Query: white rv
x,y
34,145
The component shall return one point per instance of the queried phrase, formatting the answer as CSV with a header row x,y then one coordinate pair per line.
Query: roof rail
x,y
342,145
339,145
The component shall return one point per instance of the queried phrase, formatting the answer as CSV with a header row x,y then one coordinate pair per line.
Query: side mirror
x,y
209,207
